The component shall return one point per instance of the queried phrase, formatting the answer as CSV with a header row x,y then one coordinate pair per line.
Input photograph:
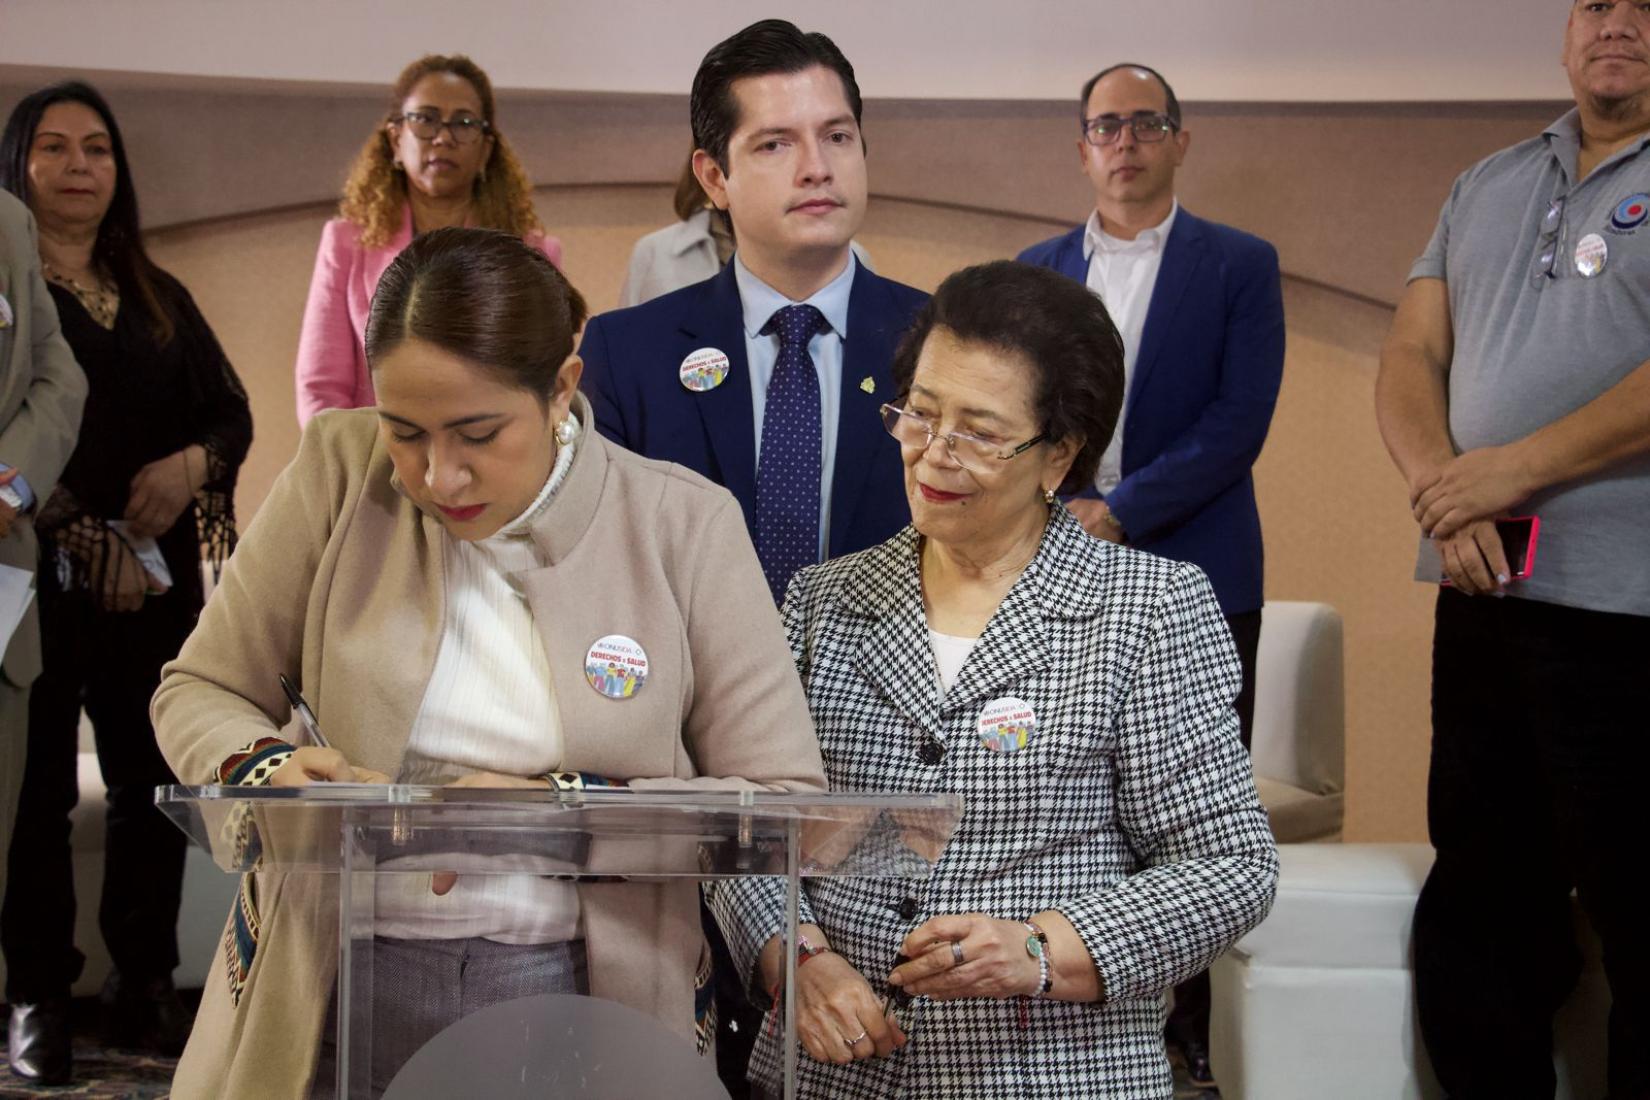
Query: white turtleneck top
x,y
490,705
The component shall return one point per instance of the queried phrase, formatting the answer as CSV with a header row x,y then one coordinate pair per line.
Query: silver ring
x,y
956,953
858,1037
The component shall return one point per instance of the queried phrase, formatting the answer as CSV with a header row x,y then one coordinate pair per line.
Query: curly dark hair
x,y
375,193
1051,322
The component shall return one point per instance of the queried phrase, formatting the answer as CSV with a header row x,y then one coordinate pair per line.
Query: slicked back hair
x,y
761,49
483,295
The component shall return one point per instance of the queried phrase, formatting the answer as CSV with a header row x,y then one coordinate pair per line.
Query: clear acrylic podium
x,y
551,1045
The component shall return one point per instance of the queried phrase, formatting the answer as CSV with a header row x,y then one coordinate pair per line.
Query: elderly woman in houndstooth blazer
x,y
1077,693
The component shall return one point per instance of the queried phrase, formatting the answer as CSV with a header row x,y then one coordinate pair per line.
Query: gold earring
x,y
1048,496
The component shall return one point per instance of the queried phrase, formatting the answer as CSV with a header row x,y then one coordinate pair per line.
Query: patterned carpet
x,y
101,1072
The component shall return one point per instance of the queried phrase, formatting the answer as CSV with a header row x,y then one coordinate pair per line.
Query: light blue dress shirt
x,y
761,302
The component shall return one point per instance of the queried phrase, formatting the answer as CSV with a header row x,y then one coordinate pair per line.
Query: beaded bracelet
x,y
1037,948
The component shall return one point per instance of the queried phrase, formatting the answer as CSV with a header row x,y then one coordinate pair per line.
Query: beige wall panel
x,y
1337,529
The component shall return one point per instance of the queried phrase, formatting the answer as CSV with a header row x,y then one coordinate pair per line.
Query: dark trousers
x,y
738,1022
1540,749
110,664
1189,1018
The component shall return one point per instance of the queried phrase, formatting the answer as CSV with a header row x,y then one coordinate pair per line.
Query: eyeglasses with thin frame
x,y
971,452
425,125
1548,245
1148,128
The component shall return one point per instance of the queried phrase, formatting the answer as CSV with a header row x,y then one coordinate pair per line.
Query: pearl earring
x,y
565,431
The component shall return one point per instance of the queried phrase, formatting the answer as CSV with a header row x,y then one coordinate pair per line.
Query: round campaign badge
x,y
1006,724
616,666
1591,255
703,370
1631,214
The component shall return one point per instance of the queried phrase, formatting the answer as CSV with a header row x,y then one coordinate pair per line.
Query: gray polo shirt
x,y
1526,355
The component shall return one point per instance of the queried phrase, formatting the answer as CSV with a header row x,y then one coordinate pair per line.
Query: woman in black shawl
x,y
147,494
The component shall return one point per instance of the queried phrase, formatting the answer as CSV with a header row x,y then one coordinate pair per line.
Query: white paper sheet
x,y
16,590
147,551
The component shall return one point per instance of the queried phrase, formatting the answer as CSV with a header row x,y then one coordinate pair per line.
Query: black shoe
x,y
1197,1065
147,1015
38,1039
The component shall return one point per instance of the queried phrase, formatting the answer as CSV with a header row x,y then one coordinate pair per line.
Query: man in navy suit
x,y
704,376
782,358
1200,309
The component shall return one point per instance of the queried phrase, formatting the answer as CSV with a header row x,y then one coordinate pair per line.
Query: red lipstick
x,y
938,496
464,514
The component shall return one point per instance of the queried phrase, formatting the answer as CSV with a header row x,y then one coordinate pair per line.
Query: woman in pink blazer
x,y
437,160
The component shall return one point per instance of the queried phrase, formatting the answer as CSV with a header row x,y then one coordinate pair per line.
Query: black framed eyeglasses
x,y
1549,243
971,452
425,125
1148,128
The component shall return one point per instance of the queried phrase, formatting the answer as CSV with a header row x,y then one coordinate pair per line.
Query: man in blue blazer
x,y
704,376
769,377
1200,309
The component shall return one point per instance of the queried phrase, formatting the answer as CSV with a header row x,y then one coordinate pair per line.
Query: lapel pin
x,y
869,385
616,666
703,370
1591,256
1006,724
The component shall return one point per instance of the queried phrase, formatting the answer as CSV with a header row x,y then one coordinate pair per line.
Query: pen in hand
x,y
305,715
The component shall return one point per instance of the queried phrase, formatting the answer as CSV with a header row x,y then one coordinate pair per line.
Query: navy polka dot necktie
x,y
787,472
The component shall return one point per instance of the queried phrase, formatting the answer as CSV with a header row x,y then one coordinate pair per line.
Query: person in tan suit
x,y
448,576
41,394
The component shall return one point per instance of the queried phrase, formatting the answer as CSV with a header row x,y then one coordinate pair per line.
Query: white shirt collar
x,y
761,301
1152,239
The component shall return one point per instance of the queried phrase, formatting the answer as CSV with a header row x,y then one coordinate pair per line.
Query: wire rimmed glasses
x,y
1548,244
969,451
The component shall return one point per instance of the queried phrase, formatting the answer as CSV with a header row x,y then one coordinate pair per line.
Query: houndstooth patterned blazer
x,y
1131,808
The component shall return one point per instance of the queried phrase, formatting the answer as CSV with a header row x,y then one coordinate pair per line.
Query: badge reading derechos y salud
x,y
1006,724
616,666
703,369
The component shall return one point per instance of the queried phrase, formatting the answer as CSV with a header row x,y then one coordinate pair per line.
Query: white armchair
x,y
1320,998
1299,749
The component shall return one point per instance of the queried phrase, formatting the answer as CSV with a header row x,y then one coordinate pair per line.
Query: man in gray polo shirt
x,y
1516,381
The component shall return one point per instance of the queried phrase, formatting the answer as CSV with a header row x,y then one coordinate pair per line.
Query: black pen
x,y
305,715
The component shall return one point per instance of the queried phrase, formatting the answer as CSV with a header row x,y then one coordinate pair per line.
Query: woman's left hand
x,y
994,959
163,489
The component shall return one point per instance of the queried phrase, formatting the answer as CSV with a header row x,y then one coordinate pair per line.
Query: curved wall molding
x,y
1279,50
1348,192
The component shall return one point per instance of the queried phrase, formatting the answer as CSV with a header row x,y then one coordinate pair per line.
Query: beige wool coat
x,y
338,582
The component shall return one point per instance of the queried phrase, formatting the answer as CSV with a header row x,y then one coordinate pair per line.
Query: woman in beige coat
x,y
439,573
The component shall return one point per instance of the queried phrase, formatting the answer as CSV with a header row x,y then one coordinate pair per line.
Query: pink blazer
x,y
332,361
